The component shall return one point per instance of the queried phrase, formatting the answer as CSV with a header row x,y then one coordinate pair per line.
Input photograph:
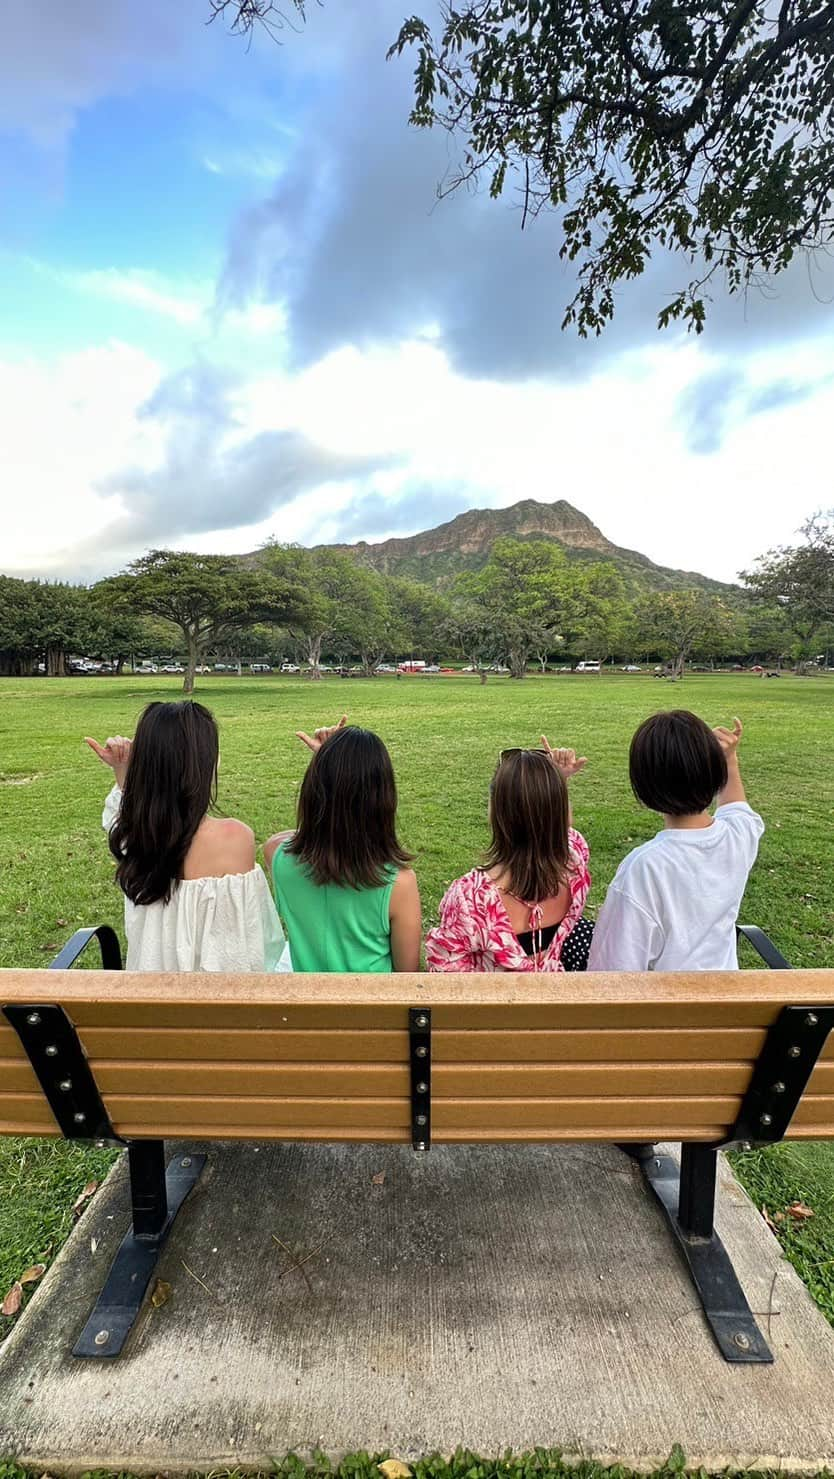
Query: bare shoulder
x,y
222,845
406,888
273,843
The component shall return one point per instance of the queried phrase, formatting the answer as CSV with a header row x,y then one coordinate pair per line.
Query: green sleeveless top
x,y
331,927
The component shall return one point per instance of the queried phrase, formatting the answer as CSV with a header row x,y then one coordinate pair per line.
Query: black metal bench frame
x,y
686,1191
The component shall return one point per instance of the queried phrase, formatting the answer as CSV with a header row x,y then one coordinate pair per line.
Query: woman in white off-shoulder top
x,y
195,900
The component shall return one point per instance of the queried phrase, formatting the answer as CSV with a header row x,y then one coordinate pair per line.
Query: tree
x,y
326,584
799,581
422,615
471,631
18,626
206,598
601,621
521,594
705,130
677,625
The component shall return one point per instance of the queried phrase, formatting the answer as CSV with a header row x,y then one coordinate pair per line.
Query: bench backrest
x,y
557,1057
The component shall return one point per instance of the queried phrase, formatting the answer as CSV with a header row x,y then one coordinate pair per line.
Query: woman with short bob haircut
x,y
194,898
522,910
342,883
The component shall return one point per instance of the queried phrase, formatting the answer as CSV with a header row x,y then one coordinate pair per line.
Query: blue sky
x,y
230,307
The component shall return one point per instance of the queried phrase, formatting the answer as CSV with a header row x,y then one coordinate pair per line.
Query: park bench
x,y
708,1060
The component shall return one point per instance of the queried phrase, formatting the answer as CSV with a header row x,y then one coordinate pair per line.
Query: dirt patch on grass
x,y
20,780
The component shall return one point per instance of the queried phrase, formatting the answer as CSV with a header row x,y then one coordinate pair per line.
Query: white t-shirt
x,y
674,902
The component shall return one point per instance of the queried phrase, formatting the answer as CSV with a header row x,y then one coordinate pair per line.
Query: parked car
x,y
631,667
173,667
386,667
259,667
290,667
588,667
431,667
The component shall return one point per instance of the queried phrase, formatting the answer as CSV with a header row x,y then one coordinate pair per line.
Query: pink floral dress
x,y
475,934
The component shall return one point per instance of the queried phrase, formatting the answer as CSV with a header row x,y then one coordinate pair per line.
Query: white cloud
x,y
145,290
410,435
64,424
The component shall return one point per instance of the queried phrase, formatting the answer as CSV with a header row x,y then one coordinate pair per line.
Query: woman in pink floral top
x,y
518,912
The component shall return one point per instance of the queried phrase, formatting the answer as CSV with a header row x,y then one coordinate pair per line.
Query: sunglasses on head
x,y
518,750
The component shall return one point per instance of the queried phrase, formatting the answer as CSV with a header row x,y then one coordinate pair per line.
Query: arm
x,y
451,945
626,938
729,740
406,921
272,845
568,764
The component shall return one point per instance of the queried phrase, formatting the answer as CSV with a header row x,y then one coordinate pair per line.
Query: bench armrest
x,y
764,947
108,943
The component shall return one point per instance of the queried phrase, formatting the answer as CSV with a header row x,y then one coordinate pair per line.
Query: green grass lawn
x,y
444,735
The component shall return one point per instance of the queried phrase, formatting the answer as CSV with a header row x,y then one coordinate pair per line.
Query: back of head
x,y
347,812
169,787
530,818
676,764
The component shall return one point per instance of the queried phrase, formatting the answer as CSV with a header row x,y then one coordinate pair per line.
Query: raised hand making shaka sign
x,y
315,741
115,752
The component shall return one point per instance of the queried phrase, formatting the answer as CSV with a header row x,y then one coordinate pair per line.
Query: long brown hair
x,y
530,816
170,785
347,812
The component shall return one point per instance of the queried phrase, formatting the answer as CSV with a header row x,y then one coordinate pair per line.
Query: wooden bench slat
x,y
369,1080
208,989
209,1045
360,1017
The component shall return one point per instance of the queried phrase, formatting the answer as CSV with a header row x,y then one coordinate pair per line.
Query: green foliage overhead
x,y
700,128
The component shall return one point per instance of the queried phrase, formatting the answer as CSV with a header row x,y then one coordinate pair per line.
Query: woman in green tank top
x,y
348,899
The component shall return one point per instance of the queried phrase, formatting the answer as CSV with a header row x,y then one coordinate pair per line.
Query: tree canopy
x,y
700,127
207,597
798,582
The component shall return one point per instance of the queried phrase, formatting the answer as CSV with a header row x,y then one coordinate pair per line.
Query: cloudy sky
x,y
231,307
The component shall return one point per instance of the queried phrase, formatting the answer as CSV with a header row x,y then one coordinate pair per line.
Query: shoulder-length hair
x,y
347,812
530,817
171,783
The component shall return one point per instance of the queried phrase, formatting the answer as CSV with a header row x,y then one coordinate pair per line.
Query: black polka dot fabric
x,y
577,945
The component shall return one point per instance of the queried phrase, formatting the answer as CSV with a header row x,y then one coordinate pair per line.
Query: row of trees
x,y
528,603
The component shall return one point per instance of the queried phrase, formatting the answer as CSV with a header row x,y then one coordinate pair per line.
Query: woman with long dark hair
x,y
194,898
342,882
522,910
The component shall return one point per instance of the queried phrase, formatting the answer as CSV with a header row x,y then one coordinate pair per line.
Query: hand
x,y
729,739
115,752
315,742
566,761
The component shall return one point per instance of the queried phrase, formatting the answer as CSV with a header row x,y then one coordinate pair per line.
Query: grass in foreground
x,y
444,735
540,1463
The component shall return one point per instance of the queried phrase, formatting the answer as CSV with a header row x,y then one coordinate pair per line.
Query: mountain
x,y
437,555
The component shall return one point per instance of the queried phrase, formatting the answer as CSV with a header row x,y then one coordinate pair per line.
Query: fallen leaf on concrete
x,y
768,1219
378,1179
392,1468
31,1275
89,1189
160,1294
11,1304
800,1211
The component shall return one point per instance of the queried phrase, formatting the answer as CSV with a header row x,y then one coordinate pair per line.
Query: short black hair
x,y
676,764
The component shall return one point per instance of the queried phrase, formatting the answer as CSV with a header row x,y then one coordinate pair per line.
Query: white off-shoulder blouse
x,y
208,924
